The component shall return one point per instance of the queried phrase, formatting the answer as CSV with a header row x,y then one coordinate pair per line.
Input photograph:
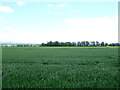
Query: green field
x,y
60,67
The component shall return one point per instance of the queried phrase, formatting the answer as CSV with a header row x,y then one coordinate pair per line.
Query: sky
x,y
37,22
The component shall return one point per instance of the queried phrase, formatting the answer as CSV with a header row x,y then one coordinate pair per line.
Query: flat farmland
x,y
36,67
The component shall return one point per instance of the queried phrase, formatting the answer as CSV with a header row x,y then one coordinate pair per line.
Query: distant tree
x,y
102,44
25,45
97,43
87,43
56,43
106,44
50,43
116,44
68,44
83,43
78,43
92,43
61,44
19,45
43,44
74,44
110,44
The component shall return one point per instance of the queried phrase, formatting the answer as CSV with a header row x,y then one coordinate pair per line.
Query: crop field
x,y
35,67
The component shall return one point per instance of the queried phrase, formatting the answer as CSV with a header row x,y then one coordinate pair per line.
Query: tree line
x,y
82,43
67,44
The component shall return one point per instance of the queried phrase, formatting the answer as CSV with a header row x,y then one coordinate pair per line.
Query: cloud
x,y
3,22
23,36
49,12
76,29
92,22
6,9
74,11
93,29
61,5
53,13
7,28
56,13
1,16
20,3
50,5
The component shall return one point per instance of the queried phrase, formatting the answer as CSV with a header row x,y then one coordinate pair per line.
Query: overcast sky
x,y
37,22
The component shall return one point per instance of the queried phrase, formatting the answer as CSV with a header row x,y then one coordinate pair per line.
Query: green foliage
x,y
60,67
